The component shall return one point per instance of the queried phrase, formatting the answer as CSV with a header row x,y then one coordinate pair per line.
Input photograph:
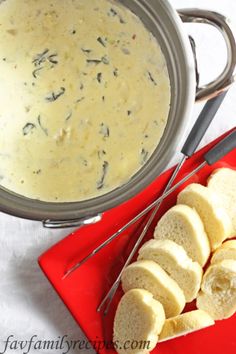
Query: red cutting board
x,y
84,289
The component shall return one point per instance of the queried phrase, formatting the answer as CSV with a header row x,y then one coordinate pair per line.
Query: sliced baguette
x,y
218,290
226,251
175,261
184,324
223,183
150,276
183,225
216,221
139,317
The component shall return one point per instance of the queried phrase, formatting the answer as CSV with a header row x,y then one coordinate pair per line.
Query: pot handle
x,y
228,76
64,224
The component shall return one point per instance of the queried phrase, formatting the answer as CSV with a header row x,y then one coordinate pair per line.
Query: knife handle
x,y
204,120
221,149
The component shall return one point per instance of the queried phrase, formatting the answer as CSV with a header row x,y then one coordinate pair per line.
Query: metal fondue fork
x,y
220,150
189,147
193,140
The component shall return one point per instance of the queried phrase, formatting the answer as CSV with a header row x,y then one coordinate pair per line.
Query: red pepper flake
x,y
134,37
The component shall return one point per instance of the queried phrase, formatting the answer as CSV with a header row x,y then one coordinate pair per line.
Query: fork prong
x,y
103,302
109,295
111,298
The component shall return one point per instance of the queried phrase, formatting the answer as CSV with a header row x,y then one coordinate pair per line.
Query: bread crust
x,y
150,276
175,261
218,290
140,318
207,203
223,182
184,226
184,324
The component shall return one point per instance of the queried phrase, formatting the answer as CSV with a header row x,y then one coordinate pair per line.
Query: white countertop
x,y
28,304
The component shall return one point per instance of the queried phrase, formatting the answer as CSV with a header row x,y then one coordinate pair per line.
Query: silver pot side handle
x,y
228,76
63,224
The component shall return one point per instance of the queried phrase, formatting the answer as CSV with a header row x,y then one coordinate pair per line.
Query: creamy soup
x,y
85,97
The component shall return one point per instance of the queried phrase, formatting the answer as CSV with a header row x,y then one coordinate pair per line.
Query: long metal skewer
x,y
137,217
189,147
115,285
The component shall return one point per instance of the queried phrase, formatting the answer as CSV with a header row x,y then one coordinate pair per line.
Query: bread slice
x,y
139,318
183,225
150,276
216,221
223,183
186,323
175,261
226,251
218,295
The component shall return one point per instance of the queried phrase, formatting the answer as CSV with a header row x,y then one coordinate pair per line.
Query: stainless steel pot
x,y
166,25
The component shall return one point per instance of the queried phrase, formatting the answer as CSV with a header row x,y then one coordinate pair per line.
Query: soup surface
x,y
85,97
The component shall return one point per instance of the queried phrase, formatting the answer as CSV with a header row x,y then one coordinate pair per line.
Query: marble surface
x,y
28,304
